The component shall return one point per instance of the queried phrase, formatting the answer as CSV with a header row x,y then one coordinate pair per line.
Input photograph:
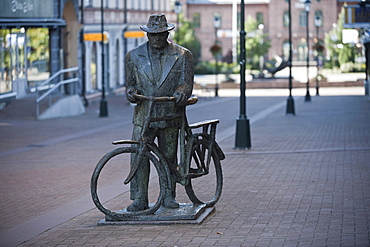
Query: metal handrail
x,y
53,86
56,75
56,86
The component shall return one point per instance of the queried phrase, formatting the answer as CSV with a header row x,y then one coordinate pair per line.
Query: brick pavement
x,y
304,182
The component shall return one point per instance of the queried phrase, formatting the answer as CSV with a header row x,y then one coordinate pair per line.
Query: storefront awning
x,y
31,22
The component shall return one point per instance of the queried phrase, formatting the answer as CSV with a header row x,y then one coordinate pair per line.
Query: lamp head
x,y
307,5
177,7
318,21
216,22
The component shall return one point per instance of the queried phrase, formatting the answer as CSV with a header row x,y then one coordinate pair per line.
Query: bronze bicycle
x,y
199,153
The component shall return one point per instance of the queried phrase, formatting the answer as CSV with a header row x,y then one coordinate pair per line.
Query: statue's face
x,y
158,40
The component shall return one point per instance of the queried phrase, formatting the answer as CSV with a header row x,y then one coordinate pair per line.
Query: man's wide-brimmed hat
x,y
157,23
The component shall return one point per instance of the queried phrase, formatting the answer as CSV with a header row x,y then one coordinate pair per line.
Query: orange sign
x,y
94,37
134,34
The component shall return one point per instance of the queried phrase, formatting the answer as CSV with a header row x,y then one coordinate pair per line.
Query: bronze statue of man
x,y
158,68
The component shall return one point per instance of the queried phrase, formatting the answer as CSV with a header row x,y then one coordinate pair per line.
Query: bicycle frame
x,y
198,147
143,142
187,138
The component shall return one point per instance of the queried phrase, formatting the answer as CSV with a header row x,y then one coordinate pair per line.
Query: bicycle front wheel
x,y
111,158
205,161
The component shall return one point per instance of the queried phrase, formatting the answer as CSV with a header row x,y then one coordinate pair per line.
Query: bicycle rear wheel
x,y
205,161
124,214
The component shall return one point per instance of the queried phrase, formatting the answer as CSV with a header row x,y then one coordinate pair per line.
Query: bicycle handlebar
x,y
190,101
152,98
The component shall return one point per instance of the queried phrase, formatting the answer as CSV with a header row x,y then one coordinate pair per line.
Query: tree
x,y
338,52
6,56
257,43
38,41
185,36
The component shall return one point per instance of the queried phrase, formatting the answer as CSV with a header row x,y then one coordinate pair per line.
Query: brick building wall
x,y
273,20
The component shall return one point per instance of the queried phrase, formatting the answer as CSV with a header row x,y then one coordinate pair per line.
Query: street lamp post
x,y
307,5
318,24
290,101
242,136
103,102
177,9
216,25
261,58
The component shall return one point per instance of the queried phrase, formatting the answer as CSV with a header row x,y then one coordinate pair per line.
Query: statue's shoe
x,y
138,205
170,203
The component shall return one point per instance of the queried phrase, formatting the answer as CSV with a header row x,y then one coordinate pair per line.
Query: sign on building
x,y
357,17
26,9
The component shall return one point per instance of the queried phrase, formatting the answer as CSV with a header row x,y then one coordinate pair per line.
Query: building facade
x,y
19,22
122,20
38,38
273,14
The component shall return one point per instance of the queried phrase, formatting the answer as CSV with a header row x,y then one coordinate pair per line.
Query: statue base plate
x,y
185,214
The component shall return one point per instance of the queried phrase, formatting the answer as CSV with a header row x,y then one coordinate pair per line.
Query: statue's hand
x,y
181,98
130,95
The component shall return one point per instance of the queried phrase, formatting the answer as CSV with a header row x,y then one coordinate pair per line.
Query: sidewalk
x,y
305,182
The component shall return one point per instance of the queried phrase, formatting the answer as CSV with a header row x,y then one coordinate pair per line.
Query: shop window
x,y
38,55
5,58
23,55
93,69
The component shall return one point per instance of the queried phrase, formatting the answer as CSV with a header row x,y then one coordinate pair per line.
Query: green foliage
x,y
352,67
38,41
346,55
6,62
257,43
338,52
206,67
185,36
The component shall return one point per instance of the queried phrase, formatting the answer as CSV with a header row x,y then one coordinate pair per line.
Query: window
x,y
259,18
196,20
303,19
286,18
93,70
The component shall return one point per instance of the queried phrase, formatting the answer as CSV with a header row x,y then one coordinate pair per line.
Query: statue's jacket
x,y
177,76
